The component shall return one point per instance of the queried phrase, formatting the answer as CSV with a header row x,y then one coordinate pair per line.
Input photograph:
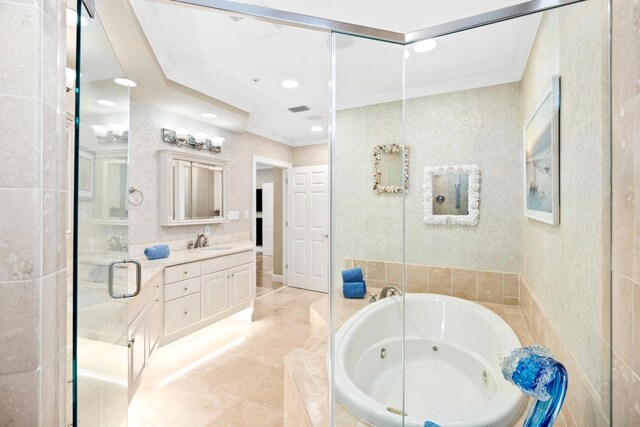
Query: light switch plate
x,y
234,215
207,230
246,214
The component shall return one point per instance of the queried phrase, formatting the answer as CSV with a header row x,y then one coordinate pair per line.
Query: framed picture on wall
x,y
542,158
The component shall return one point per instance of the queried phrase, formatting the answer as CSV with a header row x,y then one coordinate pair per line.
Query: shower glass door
x,y
369,187
103,278
492,218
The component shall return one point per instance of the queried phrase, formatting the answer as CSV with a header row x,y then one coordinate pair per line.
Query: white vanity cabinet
x,y
197,294
145,329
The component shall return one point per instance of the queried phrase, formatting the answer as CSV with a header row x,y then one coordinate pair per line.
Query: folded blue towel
x,y
354,290
157,252
353,275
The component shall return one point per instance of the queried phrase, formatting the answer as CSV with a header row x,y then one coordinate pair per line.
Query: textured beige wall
x,y
145,141
311,155
475,126
33,191
565,266
626,214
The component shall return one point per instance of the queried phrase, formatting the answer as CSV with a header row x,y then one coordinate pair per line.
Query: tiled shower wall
x,y
626,213
32,213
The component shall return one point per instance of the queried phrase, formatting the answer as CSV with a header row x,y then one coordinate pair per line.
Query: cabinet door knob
x,y
185,272
131,342
185,313
186,288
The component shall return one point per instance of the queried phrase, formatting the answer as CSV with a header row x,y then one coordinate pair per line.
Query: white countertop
x,y
151,269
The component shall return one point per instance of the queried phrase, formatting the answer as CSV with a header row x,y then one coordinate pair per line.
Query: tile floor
x,y
228,374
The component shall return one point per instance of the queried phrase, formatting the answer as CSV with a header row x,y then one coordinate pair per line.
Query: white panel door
x,y
267,218
308,228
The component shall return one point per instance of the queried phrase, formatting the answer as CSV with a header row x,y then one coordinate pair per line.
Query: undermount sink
x,y
217,248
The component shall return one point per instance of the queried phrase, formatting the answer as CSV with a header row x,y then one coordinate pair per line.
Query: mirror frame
x,y
166,191
378,151
473,171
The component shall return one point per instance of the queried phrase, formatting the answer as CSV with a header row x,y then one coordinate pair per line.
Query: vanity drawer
x,y
181,272
228,261
181,312
181,289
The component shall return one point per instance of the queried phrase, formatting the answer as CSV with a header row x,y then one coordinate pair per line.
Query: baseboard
x,y
277,278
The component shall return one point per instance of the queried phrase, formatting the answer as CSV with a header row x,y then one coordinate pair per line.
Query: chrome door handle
x,y
326,236
138,279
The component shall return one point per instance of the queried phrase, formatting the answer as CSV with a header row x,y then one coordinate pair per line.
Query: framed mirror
x,y
195,188
451,195
391,169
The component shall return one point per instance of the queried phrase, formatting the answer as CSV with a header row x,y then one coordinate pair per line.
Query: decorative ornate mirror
x,y
391,168
451,195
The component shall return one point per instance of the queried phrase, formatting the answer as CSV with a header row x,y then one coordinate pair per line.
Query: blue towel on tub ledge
x,y
354,289
352,275
157,252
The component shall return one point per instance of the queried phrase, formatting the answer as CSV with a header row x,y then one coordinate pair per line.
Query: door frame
x,y
285,167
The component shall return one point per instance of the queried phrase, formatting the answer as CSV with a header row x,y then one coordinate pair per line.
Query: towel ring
x,y
135,196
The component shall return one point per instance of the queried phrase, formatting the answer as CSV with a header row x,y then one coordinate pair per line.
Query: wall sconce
x,y
198,141
115,134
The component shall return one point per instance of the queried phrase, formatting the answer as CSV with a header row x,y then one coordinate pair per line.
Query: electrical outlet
x,y
246,214
234,215
207,230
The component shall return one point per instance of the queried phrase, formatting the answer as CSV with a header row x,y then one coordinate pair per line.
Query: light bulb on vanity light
x,y
200,137
99,130
217,141
117,129
182,133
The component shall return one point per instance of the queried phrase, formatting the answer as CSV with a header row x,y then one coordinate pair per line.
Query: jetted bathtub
x,y
453,353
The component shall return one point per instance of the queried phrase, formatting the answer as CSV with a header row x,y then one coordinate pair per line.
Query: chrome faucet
x,y
201,241
389,291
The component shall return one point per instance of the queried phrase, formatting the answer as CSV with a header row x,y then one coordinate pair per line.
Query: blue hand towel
x,y
354,290
157,252
353,275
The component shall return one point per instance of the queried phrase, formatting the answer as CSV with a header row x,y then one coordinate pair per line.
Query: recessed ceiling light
x,y
290,84
316,129
106,103
209,115
125,82
425,46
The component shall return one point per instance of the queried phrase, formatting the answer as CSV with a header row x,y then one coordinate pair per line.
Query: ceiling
x,y
220,56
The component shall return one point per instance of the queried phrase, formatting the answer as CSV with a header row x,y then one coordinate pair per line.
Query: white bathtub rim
x,y
369,409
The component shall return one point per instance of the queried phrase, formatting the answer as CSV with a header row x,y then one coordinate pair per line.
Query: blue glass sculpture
x,y
535,372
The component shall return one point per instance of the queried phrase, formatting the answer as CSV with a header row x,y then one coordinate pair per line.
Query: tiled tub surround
x,y
472,285
582,405
305,377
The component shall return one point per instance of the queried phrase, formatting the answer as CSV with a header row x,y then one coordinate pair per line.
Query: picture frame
x,y
430,198
380,152
86,175
541,158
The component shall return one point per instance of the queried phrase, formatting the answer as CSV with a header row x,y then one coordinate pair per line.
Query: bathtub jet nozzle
x,y
536,373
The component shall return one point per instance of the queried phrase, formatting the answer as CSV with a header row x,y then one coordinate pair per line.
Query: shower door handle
x,y
138,278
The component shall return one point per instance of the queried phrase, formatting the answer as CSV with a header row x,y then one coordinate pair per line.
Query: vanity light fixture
x,y
316,129
424,46
209,115
290,84
198,141
114,134
106,103
125,82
